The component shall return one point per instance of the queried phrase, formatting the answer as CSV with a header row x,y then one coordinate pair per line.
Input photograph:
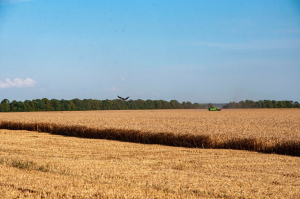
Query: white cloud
x,y
17,82
123,79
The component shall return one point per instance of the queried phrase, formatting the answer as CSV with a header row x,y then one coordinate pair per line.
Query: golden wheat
x,y
266,124
41,165
35,164
263,130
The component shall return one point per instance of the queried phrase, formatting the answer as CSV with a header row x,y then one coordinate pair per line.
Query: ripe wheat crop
x,y
48,165
262,130
43,165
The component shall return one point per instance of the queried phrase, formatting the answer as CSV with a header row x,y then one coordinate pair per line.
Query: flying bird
x,y
123,98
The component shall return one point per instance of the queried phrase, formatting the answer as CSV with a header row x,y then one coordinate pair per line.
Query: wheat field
x,y
263,130
41,165
265,124
37,164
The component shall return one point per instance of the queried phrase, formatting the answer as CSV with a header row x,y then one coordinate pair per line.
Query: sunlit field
x,y
34,164
263,130
265,124
41,164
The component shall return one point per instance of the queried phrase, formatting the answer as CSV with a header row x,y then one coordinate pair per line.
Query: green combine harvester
x,y
214,109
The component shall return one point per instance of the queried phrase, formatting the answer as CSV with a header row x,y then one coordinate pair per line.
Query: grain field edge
x,y
163,138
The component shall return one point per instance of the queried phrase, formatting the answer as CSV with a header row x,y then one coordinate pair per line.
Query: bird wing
x,y
123,98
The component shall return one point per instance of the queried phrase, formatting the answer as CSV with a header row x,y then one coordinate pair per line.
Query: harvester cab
x,y
214,109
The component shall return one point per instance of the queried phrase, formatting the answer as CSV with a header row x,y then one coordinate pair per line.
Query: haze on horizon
x,y
198,51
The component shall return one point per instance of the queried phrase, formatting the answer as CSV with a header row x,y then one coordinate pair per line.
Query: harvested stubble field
x,y
42,165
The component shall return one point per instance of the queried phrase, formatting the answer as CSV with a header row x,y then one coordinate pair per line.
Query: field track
x,y
278,130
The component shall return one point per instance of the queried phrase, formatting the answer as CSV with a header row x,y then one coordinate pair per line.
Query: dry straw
x,y
169,139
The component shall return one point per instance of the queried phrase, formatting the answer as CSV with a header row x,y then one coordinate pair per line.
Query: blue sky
x,y
198,51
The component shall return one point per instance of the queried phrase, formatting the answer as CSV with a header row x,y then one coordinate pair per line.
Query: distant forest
x,y
91,104
263,104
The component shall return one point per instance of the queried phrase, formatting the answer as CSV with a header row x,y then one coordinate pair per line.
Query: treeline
x,y
263,104
91,104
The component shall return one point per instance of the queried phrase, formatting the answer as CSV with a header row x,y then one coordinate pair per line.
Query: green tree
x,y
64,105
106,104
262,104
5,105
115,104
250,103
140,104
120,104
150,104
165,105
71,106
284,104
189,105
97,105
46,105
27,105
56,105
13,106
32,105
280,104
268,103
79,104
87,104
289,104
158,104
242,104
17,106
174,104
38,104
274,103
196,106
21,107
132,105
296,104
